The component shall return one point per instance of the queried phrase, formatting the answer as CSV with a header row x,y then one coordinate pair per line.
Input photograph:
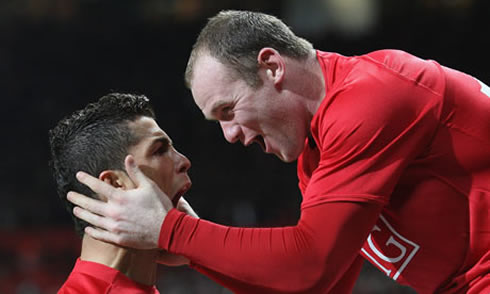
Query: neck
x,y
306,81
316,81
139,265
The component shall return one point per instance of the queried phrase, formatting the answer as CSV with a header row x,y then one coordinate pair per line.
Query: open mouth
x,y
260,140
180,193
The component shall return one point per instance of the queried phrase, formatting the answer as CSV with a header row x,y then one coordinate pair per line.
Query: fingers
x,y
92,218
182,205
134,171
101,235
185,207
96,185
94,205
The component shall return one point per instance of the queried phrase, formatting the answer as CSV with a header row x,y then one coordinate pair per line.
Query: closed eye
x,y
226,113
161,146
222,110
161,150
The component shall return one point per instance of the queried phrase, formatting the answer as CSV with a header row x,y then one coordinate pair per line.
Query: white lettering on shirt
x,y
394,255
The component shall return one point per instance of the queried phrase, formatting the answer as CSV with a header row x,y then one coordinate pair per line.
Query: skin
x,y
167,168
158,159
276,115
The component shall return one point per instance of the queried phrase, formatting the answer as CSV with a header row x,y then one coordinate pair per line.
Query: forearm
x,y
343,286
301,258
268,259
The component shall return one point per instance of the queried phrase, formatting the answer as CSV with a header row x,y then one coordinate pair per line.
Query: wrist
x,y
167,228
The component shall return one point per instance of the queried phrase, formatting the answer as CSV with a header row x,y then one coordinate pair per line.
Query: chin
x,y
290,152
289,159
286,157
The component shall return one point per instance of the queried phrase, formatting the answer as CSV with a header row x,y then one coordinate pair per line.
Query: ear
x,y
272,63
117,179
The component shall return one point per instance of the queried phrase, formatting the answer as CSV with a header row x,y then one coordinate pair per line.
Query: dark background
x,y
58,55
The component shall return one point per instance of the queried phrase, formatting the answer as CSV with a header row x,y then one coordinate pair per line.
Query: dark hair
x,y
92,140
235,38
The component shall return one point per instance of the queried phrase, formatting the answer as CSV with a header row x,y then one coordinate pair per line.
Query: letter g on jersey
x,y
388,250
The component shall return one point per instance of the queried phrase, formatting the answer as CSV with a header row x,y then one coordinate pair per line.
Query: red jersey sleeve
x,y
344,285
311,257
91,277
370,126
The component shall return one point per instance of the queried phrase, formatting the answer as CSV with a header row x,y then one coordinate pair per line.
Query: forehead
x,y
145,128
212,83
207,67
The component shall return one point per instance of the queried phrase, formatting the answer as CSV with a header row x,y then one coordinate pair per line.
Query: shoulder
x,y
365,107
390,80
88,277
419,72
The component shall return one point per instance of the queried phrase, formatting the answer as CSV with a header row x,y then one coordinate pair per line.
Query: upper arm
x,y
369,133
337,231
347,281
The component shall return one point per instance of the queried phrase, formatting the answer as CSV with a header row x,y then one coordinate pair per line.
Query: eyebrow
x,y
163,140
214,108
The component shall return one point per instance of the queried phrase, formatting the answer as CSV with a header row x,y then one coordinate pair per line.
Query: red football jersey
x,y
414,136
91,277
397,169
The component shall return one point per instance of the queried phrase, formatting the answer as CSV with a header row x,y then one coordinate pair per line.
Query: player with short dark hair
x,y
96,140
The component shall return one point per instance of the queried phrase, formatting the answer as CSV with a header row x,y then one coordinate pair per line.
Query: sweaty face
x,y
266,115
158,159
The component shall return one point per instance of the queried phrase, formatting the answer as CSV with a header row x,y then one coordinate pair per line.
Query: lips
x,y
181,193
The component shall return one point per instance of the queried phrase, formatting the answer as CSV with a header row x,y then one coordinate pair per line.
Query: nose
x,y
231,131
183,163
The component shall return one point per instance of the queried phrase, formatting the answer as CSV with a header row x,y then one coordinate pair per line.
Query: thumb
x,y
134,172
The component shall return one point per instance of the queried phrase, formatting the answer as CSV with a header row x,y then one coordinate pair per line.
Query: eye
x,y
227,112
161,150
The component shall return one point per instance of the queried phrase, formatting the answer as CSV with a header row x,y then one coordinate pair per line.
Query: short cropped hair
x,y
92,140
235,38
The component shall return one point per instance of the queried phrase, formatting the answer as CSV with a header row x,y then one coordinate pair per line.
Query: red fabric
x,y
91,277
344,285
310,257
413,135
393,131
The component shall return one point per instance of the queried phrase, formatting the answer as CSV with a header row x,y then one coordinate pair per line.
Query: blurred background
x,y
58,55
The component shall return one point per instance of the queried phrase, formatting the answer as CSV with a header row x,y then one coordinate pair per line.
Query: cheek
x,y
256,118
160,171
166,174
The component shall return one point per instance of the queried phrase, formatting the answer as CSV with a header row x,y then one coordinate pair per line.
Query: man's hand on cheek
x,y
131,218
